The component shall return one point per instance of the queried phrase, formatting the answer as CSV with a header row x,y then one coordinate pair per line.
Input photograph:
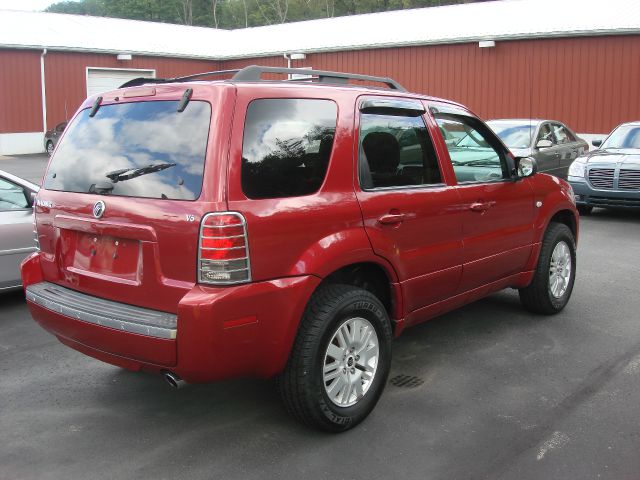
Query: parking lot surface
x,y
30,167
499,393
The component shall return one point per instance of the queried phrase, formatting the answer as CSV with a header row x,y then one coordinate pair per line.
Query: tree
x,y
187,11
214,4
231,14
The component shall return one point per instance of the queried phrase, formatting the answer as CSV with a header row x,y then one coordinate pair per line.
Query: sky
x,y
32,5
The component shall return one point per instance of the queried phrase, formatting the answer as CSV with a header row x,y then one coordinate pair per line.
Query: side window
x,y
560,134
286,146
546,133
476,156
12,196
569,134
396,151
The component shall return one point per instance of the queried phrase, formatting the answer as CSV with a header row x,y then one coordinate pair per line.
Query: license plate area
x,y
102,255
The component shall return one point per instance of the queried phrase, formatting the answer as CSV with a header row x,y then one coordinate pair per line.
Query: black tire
x,y
50,147
537,297
584,209
302,385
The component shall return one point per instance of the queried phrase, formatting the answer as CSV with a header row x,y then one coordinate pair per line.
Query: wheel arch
x,y
374,277
568,218
564,215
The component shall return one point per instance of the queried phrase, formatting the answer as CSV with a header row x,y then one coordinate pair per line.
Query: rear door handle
x,y
481,206
391,218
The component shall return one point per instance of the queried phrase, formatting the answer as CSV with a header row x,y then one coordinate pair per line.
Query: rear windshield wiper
x,y
129,173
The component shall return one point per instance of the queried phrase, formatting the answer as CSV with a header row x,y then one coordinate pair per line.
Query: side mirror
x,y
526,167
544,143
596,143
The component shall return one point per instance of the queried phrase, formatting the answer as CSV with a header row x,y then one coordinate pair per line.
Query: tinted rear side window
x,y
286,146
396,151
143,149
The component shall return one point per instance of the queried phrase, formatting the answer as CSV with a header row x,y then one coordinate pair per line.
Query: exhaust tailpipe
x,y
173,380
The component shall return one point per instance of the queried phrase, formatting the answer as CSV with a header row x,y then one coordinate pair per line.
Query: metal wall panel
x,y
66,76
66,83
20,94
591,83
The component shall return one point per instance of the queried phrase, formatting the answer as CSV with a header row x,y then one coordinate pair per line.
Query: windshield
x,y
625,136
141,149
472,139
514,135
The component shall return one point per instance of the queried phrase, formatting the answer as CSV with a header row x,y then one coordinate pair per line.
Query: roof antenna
x,y
186,96
96,106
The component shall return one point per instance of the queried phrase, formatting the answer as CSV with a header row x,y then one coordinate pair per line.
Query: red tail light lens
x,y
223,249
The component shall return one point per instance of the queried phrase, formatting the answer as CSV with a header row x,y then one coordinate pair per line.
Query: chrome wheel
x,y
49,148
350,362
560,269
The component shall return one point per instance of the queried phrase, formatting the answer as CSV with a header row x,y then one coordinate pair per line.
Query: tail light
x,y
223,249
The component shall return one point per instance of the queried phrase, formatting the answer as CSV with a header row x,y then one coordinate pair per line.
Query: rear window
x,y
143,149
286,146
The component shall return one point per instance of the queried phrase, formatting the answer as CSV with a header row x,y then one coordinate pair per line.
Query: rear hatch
x,y
119,213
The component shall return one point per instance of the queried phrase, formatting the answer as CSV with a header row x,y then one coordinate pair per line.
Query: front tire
x,y
552,284
50,147
340,359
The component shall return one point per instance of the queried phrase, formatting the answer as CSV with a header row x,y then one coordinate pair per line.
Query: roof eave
x,y
341,48
444,41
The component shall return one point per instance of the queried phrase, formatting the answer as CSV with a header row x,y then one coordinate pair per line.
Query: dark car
x,y
52,136
551,143
610,176
205,230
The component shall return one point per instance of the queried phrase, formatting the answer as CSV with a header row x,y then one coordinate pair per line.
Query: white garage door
x,y
101,80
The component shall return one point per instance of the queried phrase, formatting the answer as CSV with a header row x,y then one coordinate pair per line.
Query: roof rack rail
x,y
142,80
253,73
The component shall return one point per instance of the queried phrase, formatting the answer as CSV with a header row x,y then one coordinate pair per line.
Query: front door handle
x,y
480,206
391,218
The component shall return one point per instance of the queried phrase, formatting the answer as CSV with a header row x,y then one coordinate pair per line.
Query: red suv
x,y
248,227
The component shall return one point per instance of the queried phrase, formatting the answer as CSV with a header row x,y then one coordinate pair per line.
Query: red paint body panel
x,y
442,255
247,330
138,348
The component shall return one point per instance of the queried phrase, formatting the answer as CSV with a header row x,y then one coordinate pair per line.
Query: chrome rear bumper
x,y
99,311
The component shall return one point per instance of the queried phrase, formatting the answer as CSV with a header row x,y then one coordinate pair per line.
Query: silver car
x,y
551,143
16,227
610,176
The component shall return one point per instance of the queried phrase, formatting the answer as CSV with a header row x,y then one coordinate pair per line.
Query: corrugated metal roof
x,y
497,20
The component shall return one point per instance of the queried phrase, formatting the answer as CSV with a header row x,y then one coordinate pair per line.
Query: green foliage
x,y
231,14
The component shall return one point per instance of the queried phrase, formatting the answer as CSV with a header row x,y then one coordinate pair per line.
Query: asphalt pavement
x,y
31,167
499,393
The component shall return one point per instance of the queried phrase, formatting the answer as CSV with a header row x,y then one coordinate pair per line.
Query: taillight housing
x,y
223,249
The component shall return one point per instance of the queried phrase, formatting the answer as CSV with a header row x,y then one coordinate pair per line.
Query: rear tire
x,y
554,277
343,345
